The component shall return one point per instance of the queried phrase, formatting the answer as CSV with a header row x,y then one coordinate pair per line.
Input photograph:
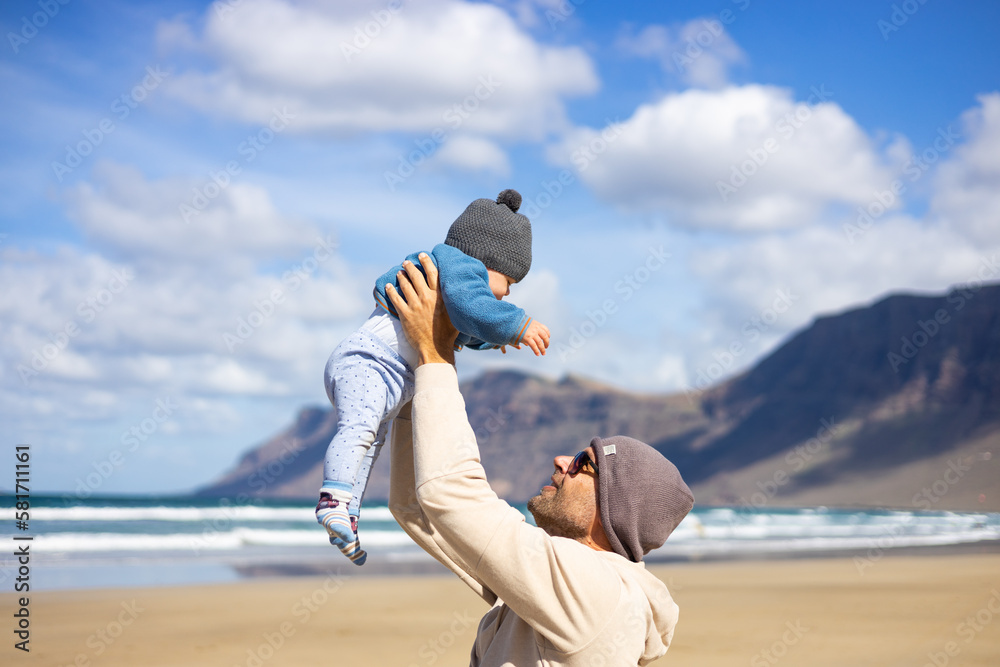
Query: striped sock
x,y
352,549
342,528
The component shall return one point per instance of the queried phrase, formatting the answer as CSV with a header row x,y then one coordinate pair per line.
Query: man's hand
x,y
422,313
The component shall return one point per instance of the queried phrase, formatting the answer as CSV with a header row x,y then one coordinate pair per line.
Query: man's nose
x,y
562,463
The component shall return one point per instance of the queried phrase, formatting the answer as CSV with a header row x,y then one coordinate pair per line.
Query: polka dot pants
x,y
367,382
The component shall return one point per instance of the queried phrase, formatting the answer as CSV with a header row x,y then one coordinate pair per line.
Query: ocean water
x,y
123,542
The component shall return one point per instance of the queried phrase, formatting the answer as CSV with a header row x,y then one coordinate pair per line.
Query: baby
x,y
370,374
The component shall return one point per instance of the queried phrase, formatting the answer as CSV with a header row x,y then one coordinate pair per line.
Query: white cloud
x,y
553,14
699,52
354,68
819,272
746,158
474,153
151,312
968,184
185,222
231,377
755,291
170,330
70,341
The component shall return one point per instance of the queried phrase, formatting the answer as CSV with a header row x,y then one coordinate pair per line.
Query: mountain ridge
x,y
868,408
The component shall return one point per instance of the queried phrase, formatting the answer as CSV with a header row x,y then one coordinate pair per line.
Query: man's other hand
x,y
423,314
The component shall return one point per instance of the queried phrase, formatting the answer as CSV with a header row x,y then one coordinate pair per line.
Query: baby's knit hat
x,y
640,495
496,234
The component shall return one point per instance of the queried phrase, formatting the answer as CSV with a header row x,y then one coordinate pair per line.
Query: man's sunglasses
x,y
582,461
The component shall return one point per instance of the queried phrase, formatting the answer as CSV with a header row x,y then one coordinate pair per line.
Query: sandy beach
x,y
895,610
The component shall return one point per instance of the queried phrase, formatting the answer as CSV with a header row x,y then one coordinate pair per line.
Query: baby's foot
x,y
352,549
342,528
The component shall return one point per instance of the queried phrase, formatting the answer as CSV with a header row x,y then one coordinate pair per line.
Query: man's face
x,y
567,507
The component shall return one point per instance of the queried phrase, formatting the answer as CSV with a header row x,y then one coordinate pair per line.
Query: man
x,y
572,591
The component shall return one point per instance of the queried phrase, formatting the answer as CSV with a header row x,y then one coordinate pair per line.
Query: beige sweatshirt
x,y
555,601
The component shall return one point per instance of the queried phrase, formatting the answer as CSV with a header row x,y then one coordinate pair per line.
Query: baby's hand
x,y
536,337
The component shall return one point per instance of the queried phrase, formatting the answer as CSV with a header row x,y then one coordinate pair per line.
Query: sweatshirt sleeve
x,y
560,587
407,512
473,308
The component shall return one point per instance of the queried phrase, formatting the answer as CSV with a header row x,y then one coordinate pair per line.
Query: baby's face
x,y
499,283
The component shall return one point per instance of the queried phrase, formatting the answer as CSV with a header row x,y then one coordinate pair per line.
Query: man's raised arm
x,y
490,540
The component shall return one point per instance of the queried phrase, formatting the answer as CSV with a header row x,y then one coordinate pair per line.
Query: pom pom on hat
x,y
512,198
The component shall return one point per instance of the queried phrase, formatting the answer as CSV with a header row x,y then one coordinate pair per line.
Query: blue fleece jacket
x,y
483,321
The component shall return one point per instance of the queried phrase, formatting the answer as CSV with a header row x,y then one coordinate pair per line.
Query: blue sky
x,y
704,179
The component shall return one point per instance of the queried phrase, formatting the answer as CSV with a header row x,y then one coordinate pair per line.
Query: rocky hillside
x,y
896,404
869,407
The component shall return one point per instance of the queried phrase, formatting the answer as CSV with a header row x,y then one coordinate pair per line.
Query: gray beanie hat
x,y
640,495
496,234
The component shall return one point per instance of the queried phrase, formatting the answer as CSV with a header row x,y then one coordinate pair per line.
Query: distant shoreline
x,y
58,499
380,568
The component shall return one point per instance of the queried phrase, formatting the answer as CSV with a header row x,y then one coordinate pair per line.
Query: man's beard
x,y
562,517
